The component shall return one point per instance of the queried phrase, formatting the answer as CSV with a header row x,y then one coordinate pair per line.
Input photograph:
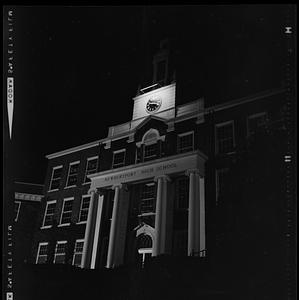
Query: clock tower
x,y
159,97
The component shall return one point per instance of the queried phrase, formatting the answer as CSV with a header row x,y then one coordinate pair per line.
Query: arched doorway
x,y
144,248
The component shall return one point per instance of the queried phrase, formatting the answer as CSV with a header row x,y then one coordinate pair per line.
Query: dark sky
x,y
77,68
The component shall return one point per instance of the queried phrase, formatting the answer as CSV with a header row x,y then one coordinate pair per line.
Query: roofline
x,y
73,149
207,110
244,100
28,183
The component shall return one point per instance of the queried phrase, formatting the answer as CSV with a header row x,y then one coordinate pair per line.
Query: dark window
x,y
185,142
66,212
225,138
147,198
56,177
42,254
183,193
91,168
49,214
60,250
119,159
84,209
78,251
255,122
73,174
150,152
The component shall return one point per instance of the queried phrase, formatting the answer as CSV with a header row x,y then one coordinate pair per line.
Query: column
x,y
196,214
89,230
113,228
160,216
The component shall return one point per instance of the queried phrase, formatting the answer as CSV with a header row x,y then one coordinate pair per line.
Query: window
x,y
56,177
185,142
49,214
17,206
220,182
225,137
147,198
91,168
42,253
78,252
73,174
150,152
183,193
255,122
66,214
60,251
119,158
84,208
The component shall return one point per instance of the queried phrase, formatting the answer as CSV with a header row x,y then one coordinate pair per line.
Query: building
x,y
154,184
27,201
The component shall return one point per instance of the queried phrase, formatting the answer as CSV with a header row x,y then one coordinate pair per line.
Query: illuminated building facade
x,y
151,187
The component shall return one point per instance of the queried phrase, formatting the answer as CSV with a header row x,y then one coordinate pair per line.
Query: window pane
x,y
73,172
225,138
185,143
147,198
56,176
119,159
67,212
84,209
150,151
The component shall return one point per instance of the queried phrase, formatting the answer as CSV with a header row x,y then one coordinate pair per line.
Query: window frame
x,y
74,254
222,124
38,251
182,135
148,158
150,213
18,211
253,116
45,214
85,174
81,204
68,174
64,242
62,211
51,181
124,160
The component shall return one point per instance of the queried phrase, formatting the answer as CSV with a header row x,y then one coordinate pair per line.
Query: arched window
x,y
150,147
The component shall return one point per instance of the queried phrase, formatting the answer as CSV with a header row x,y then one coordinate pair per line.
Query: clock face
x,y
153,105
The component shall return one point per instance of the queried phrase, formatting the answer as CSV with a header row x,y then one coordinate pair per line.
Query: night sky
x,y
78,68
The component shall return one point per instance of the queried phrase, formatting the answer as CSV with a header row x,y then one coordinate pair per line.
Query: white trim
x,y
53,169
253,116
63,205
19,207
68,173
45,213
219,125
38,250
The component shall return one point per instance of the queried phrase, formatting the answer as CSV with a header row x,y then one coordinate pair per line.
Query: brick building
x,y
154,184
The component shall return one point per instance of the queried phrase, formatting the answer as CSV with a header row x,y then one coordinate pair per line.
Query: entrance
x,y
145,248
